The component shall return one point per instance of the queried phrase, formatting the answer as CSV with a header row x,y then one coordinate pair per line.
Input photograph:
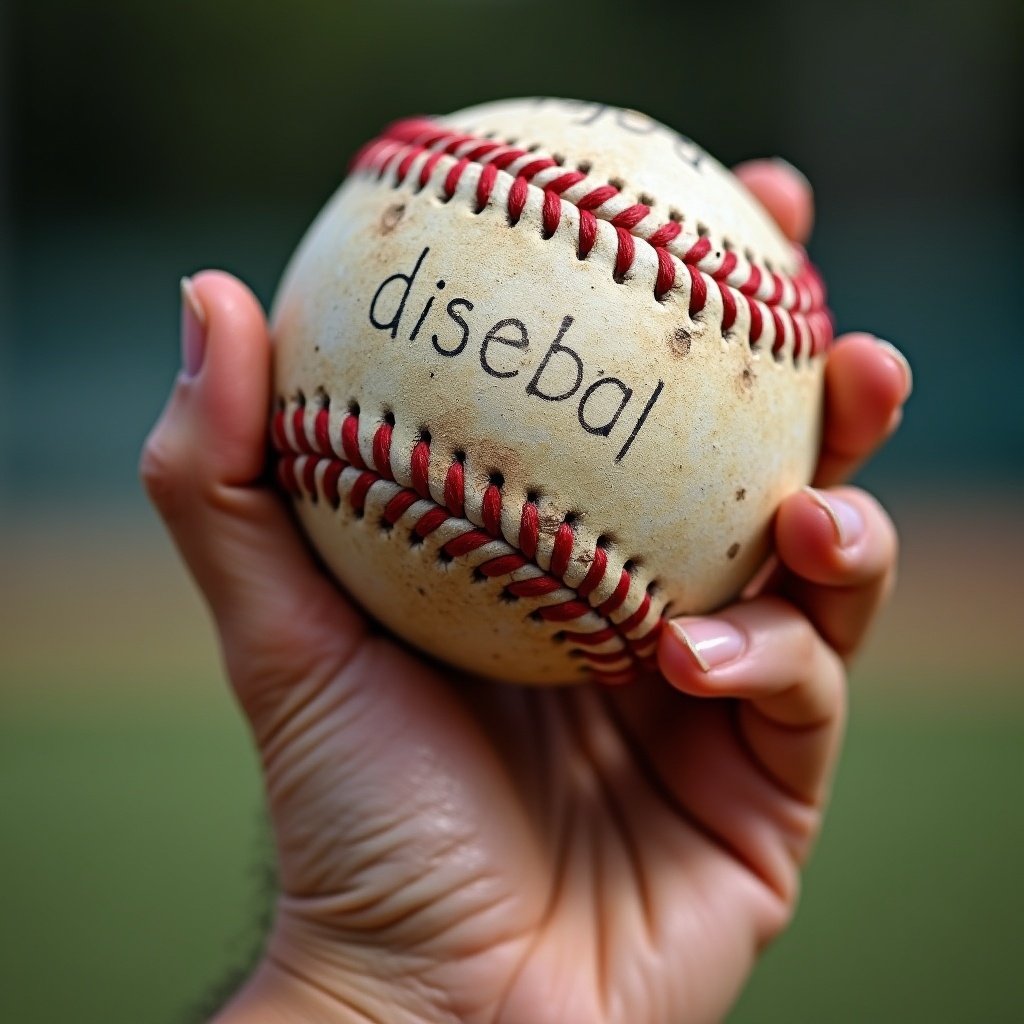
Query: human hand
x,y
451,850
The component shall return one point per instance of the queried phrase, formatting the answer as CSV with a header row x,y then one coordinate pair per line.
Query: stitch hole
x,y
748,254
476,576
584,166
323,399
497,478
300,398
559,637
353,407
444,558
507,598
703,230
769,265
425,435
459,456
389,418
604,542
617,183
646,200
533,147
384,525
675,215
533,497
415,540
558,158
653,587
629,566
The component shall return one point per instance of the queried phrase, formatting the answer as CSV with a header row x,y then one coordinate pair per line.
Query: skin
x,y
452,850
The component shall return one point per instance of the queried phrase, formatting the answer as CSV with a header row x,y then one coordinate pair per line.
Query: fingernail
x,y
193,329
901,361
711,642
846,519
784,163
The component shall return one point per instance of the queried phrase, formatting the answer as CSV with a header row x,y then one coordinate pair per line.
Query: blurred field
x,y
142,141
134,850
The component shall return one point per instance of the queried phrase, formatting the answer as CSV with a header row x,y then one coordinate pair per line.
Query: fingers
x,y
792,685
203,465
867,382
782,654
840,548
784,192
763,651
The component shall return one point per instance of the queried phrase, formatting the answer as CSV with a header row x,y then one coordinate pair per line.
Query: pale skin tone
x,y
453,850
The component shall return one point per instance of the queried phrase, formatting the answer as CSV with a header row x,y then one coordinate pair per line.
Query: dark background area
x,y
144,141
149,140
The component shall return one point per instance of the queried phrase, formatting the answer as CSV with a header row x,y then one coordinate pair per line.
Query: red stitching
x,y
798,299
312,461
517,196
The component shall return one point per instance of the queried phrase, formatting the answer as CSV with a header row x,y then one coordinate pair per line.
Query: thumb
x,y
203,467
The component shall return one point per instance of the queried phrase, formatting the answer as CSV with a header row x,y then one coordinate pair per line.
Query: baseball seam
x,y
784,312
614,622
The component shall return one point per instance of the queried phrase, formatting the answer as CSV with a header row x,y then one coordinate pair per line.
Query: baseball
x,y
544,371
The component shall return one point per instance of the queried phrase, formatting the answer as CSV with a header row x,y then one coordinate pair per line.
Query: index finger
x,y
784,192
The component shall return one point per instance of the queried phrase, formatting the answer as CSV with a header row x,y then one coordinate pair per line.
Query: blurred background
x,y
141,142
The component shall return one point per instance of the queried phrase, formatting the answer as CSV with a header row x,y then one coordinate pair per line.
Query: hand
x,y
456,851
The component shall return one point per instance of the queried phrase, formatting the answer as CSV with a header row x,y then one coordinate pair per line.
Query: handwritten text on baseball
x,y
560,374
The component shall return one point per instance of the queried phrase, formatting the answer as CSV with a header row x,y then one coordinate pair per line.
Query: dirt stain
x,y
741,494
679,342
390,218
746,381
734,550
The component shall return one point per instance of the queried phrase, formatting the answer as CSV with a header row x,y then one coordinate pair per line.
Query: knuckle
x,y
160,471
806,646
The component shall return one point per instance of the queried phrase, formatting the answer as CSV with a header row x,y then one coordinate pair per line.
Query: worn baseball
x,y
544,372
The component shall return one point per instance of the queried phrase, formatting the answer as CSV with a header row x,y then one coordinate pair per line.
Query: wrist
x,y
272,995
304,980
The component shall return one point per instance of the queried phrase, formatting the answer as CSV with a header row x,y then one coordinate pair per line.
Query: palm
x,y
581,855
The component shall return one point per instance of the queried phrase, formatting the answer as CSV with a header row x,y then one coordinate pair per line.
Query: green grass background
x,y
144,141
134,853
